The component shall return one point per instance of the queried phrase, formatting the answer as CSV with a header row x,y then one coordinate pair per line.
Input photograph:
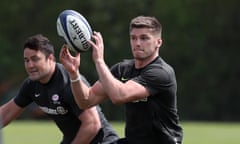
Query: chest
x,y
51,99
128,73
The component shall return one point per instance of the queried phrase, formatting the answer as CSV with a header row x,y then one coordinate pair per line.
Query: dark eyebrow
x,y
32,57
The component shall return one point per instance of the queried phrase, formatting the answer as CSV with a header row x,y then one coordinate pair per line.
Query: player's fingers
x,y
61,54
64,46
98,37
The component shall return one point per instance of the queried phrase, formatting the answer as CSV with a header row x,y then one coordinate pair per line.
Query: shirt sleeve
x,y
156,79
23,97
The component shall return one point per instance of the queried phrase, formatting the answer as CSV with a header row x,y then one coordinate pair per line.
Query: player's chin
x,y
33,77
138,56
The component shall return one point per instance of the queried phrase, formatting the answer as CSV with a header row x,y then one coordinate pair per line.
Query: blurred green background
x,y
45,132
200,40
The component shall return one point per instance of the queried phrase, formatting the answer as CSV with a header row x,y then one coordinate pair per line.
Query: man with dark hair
x,y
48,85
146,85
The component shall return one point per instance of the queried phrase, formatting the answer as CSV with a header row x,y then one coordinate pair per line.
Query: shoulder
x,y
159,70
27,83
159,63
27,88
60,67
61,73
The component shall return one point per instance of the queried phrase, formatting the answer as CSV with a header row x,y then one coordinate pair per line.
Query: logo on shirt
x,y
55,99
124,79
37,95
61,110
58,111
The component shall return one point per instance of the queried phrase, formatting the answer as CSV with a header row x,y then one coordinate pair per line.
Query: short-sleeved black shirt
x,y
56,99
152,120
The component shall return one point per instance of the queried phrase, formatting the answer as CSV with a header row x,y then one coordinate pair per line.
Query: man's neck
x,y
140,63
49,76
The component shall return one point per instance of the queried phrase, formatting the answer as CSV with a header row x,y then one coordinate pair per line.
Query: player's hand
x,y
70,62
98,47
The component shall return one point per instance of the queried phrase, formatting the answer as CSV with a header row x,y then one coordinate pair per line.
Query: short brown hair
x,y
39,42
146,22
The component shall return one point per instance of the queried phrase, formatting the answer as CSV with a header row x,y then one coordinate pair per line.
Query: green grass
x,y
211,133
39,132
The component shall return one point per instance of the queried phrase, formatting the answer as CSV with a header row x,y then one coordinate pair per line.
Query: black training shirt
x,y
154,119
55,98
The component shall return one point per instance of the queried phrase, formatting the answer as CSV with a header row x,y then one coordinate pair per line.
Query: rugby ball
x,y
75,30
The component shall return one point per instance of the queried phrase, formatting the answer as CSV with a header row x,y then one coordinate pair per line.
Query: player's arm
x,y
90,125
9,112
116,90
84,95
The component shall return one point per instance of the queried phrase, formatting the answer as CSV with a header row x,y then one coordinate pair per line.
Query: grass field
x,y
45,132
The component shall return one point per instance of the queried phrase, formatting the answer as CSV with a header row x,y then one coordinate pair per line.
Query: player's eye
x,y
35,59
144,38
26,60
133,38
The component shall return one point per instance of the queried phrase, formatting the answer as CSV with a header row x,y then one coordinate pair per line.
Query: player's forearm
x,y
9,112
80,91
113,87
86,134
4,119
90,125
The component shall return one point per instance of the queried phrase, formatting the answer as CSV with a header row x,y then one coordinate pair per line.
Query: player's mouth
x,y
136,50
32,72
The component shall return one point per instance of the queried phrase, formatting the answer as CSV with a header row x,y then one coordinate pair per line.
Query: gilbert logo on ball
x,y
75,30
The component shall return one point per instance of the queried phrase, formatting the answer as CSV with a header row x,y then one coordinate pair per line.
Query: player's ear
x,y
159,42
51,57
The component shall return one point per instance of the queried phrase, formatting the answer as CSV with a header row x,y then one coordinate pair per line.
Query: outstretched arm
x,y
9,112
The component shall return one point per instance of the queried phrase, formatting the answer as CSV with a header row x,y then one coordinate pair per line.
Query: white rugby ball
x,y
75,30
